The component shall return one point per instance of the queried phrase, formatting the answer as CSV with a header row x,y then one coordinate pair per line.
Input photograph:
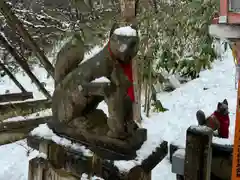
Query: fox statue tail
x,y
201,118
68,58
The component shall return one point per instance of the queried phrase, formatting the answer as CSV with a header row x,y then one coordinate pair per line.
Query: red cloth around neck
x,y
224,124
127,69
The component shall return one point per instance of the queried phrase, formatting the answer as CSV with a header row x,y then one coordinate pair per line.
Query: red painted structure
x,y
225,14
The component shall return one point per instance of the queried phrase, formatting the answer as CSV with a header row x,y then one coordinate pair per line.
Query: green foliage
x,y
175,39
177,36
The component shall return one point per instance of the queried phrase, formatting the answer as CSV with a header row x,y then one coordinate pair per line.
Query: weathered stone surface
x,y
76,97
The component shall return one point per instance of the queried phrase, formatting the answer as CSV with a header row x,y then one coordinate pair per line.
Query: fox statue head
x,y
222,107
123,43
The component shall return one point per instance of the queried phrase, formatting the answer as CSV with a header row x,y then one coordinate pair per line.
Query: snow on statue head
x,y
124,42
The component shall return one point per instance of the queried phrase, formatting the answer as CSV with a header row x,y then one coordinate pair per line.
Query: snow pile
x,y
86,177
42,155
125,31
180,153
223,141
43,131
146,150
33,154
203,93
200,128
101,80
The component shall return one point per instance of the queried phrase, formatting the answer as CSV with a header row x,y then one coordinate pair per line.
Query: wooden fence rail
x,y
58,162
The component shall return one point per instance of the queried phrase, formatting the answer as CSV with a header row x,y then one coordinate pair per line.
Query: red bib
x,y
127,69
224,124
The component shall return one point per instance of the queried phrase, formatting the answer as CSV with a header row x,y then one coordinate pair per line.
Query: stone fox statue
x,y
218,121
77,96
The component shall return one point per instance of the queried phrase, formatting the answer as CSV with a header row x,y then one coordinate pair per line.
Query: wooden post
x,y
70,162
198,155
47,172
137,173
41,169
43,148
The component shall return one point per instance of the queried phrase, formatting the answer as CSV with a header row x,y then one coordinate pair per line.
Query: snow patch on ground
x,y
14,161
163,171
184,102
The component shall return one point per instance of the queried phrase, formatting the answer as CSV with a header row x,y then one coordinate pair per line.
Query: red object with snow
x,y
224,124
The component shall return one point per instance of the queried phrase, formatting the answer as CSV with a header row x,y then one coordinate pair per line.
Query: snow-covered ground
x,y
171,125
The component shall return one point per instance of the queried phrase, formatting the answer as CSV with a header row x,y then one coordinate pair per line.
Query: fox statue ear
x,y
114,26
219,105
225,101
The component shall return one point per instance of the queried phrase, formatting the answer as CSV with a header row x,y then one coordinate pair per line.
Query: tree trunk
x,y
14,23
128,11
23,63
137,90
150,87
145,95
